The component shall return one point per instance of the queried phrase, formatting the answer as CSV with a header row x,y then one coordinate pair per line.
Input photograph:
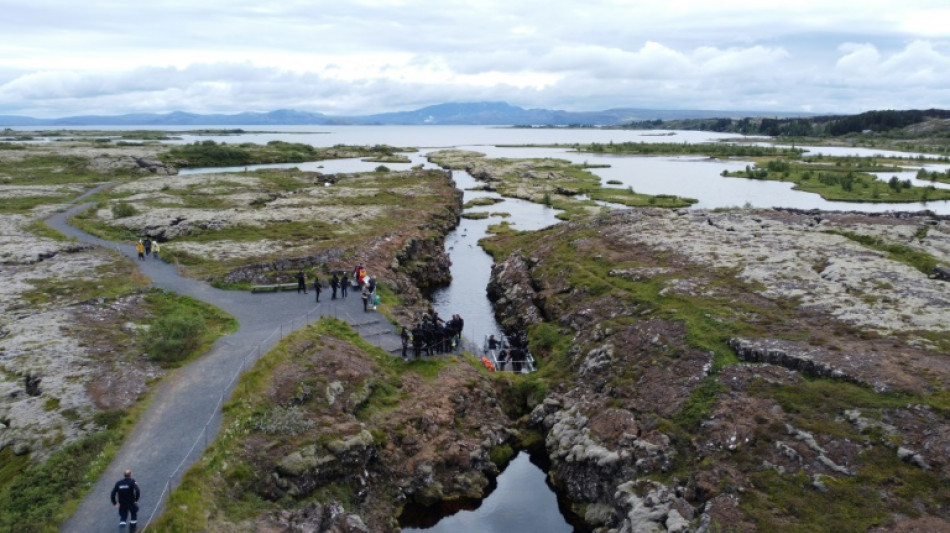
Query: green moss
x,y
501,455
699,405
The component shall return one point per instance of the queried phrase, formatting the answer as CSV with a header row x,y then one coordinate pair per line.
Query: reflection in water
x,y
471,265
521,502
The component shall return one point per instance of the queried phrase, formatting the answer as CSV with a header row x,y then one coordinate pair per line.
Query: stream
x,y
521,500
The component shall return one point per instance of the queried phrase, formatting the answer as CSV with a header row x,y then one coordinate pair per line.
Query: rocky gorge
x,y
727,370
739,370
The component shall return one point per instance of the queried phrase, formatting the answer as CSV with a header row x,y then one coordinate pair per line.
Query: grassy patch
x,y
292,214
50,169
40,229
108,281
921,261
483,200
700,403
885,486
846,179
24,204
557,183
209,153
183,327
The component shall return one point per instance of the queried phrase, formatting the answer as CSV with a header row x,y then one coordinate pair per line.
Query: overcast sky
x,y
72,57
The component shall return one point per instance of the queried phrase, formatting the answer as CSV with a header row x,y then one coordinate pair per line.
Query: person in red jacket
x,y
125,496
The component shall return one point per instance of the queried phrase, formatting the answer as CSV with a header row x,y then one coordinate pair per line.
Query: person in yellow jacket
x,y
140,248
155,249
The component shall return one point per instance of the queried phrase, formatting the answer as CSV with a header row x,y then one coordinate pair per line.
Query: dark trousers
x,y
126,510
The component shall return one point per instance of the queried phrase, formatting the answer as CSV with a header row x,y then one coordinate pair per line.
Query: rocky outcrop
x,y
788,355
592,469
107,164
282,270
314,465
425,262
512,291
315,518
795,296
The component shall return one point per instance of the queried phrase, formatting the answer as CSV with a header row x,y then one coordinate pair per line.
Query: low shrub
x,y
171,338
123,210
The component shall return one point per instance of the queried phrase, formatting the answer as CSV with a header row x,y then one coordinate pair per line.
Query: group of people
x,y
146,247
432,335
510,353
340,283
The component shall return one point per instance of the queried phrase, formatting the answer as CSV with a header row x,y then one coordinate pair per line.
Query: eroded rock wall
x,y
645,402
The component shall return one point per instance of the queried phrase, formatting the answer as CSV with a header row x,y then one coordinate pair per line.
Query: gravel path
x,y
184,414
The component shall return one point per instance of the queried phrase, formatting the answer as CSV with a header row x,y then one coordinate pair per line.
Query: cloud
x,y
919,63
60,57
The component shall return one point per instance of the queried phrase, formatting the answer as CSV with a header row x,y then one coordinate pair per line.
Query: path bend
x,y
184,415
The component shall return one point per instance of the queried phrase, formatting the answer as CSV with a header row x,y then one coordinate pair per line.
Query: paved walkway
x,y
184,415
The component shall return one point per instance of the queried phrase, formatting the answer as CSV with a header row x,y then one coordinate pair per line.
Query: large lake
x,y
694,177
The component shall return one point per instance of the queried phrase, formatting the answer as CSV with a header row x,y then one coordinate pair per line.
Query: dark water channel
x,y
521,501
471,265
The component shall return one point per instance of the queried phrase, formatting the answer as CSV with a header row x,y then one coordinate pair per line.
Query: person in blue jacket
x,y
125,496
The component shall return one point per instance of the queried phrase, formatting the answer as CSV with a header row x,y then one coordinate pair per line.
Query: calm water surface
x,y
521,502
692,177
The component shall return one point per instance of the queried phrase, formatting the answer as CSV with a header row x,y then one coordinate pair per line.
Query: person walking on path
x,y
140,248
148,246
334,285
125,496
365,295
301,282
344,285
316,287
155,249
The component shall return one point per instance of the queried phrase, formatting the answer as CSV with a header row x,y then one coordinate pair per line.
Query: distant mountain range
x,y
477,113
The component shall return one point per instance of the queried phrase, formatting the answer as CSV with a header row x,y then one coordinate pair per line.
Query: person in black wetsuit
x,y
301,282
125,496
